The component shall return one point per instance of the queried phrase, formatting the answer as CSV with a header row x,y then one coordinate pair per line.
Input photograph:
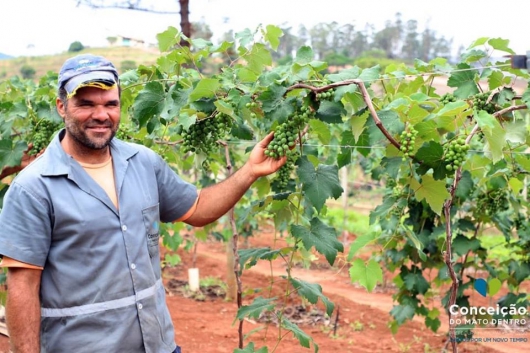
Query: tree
x,y
139,5
76,47
27,71
112,40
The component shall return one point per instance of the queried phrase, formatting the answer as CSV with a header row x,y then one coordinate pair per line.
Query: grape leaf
x,y
360,242
433,191
304,55
11,154
321,236
464,80
330,112
149,103
258,58
254,310
402,313
300,335
253,255
250,349
205,88
462,244
390,121
494,133
366,274
312,292
167,39
319,184
414,281
273,35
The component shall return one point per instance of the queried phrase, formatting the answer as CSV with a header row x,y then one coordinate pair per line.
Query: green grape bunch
x,y
41,134
204,134
448,98
455,153
408,138
493,202
124,132
327,95
286,134
283,175
480,102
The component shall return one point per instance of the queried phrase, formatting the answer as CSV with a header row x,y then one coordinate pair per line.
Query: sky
x,y
47,27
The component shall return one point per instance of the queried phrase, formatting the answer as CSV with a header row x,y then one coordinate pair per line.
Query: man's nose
x,y
100,112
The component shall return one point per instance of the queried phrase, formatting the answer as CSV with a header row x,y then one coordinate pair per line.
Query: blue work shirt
x,y
101,287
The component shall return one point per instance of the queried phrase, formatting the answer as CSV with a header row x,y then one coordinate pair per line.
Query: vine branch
x,y
235,239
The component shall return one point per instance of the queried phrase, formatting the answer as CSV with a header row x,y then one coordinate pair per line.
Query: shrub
x,y
27,71
127,65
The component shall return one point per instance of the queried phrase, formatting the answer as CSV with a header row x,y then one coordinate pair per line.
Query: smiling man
x,y
79,229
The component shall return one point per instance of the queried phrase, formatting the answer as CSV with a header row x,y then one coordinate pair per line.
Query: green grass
x,y
350,220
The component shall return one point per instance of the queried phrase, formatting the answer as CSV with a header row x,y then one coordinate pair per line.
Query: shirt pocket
x,y
151,217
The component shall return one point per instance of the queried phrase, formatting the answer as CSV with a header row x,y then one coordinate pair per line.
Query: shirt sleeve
x,y
177,197
25,226
9,262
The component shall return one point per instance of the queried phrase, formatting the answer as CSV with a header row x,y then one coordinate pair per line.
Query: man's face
x,y
92,116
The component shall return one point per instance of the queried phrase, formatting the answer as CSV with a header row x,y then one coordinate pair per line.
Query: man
x,y
79,227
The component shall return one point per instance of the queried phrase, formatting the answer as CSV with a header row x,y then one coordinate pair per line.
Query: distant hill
x,y
10,67
5,56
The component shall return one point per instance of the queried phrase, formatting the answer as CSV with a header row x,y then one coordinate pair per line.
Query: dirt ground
x,y
206,323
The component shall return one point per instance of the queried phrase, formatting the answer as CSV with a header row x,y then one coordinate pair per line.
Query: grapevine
x,y
41,135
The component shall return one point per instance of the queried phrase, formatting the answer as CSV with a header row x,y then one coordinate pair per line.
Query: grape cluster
x,y
203,135
408,138
480,102
455,153
284,173
41,134
124,132
493,202
286,134
327,95
252,106
447,98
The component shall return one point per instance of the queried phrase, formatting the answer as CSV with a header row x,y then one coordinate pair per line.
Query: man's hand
x,y
260,164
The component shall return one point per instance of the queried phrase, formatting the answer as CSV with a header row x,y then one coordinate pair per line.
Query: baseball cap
x,y
87,70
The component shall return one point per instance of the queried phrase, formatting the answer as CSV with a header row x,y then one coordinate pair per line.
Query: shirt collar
x,y
58,162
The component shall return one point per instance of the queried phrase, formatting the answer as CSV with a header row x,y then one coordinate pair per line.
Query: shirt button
x,y
140,306
133,266
124,227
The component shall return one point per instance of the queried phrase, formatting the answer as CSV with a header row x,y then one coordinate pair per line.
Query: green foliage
x,y
75,47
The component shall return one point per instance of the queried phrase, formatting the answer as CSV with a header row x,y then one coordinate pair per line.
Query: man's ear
x,y
61,108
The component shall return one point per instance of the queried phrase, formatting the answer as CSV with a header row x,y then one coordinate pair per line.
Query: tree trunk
x,y
185,24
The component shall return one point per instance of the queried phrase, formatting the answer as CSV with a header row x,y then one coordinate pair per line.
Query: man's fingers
x,y
267,139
